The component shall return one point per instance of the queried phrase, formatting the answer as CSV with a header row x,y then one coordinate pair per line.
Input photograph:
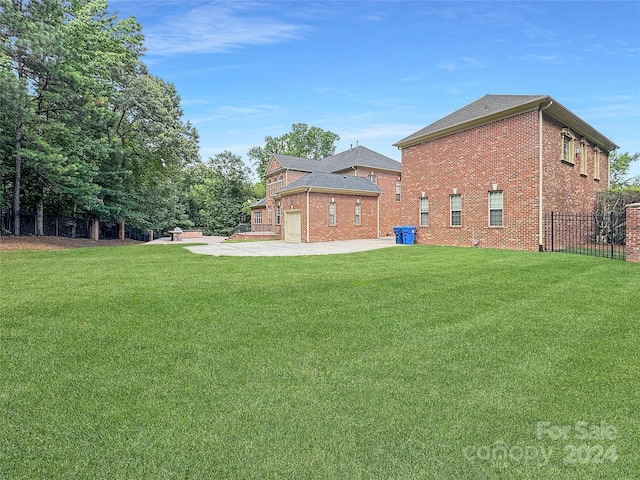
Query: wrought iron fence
x,y
596,234
61,226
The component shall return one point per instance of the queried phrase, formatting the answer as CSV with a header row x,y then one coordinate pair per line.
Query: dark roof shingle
x,y
485,106
333,181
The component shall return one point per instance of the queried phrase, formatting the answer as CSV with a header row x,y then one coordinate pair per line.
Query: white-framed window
x,y
424,211
568,146
584,157
278,215
596,163
257,217
373,179
332,214
398,191
495,208
358,214
455,203
268,187
269,215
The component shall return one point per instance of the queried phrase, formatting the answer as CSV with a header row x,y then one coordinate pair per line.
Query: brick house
x,y
350,195
487,173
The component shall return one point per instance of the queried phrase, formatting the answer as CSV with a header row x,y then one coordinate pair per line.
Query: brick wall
x,y
503,155
632,248
498,156
565,188
345,228
390,209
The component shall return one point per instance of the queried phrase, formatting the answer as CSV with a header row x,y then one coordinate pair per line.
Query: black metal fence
x,y
596,234
61,226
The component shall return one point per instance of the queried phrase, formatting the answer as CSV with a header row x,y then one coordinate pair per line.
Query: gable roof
x,y
260,203
354,157
360,157
300,164
495,107
331,182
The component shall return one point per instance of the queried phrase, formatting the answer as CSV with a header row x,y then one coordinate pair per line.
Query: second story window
x,y
398,190
584,156
568,147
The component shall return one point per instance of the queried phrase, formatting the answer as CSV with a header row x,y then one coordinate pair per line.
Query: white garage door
x,y
292,227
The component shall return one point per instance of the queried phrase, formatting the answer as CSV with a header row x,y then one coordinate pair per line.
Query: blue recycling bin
x,y
408,234
398,232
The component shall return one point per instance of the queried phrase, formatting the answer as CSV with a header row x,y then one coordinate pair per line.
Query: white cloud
x,y
217,28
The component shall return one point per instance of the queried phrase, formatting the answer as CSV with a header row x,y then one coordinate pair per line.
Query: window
x,y
495,209
373,179
424,212
596,163
268,187
358,219
278,215
568,147
456,210
269,215
332,214
398,188
584,149
257,217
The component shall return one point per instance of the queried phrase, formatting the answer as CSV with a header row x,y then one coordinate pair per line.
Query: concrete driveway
x,y
276,248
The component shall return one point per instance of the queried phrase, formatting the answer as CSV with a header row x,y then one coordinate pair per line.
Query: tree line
x,y
87,132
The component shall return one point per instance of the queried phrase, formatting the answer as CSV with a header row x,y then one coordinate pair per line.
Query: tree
x,y
83,127
301,141
219,193
619,169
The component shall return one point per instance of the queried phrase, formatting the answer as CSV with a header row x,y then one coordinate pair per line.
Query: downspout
x,y
540,152
378,215
308,190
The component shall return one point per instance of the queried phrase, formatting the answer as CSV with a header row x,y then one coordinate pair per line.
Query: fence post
x,y
552,231
612,235
632,247
95,230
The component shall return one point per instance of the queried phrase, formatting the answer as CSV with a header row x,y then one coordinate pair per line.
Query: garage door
x,y
292,227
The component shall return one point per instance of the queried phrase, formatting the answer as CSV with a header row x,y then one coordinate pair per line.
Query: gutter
x,y
540,151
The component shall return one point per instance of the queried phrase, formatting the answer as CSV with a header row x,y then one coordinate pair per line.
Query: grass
x,y
420,362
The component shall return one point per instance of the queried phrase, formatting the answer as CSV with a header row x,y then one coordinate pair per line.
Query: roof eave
x,y
555,109
475,122
337,191
369,167
581,127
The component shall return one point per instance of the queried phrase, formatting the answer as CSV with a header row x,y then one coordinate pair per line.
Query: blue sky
x,y
376,71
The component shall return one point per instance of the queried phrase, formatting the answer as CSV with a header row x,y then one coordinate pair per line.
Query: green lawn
x,y
150,362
